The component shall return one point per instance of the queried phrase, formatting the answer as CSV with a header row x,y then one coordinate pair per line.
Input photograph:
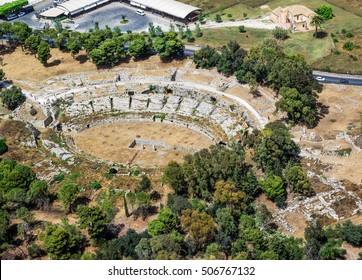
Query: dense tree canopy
x,y
93,219
62,242
12,97
276,148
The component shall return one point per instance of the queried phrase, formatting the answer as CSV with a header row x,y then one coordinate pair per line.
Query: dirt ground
x,y
343,110
111,142
62,63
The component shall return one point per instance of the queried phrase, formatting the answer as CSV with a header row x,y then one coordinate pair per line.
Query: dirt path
x,y
260,23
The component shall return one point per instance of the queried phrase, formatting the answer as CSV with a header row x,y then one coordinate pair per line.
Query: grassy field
x,y
342,60
352,6
312,49
217,37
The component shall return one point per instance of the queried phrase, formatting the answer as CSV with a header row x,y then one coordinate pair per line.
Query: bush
x,y
349,46
218,18
12,97
349,34
344,152
3,146
241,28
112,171
95,185
59,177
33,112
280,33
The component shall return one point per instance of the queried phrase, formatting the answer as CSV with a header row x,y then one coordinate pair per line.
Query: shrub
x,y
218,18
12,97
112,171
33,112
241,28
344,152
349,34
95,185
3,146
59,177
349,46
280,33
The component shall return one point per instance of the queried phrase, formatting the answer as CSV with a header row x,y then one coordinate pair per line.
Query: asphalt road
x,y
326,78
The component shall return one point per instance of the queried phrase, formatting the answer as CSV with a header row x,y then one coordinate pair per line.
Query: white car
x,y
321,79
140,12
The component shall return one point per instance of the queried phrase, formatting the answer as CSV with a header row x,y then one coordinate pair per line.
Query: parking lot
x,y
110,15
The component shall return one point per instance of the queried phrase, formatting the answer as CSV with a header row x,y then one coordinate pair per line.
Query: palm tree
x,y
317,21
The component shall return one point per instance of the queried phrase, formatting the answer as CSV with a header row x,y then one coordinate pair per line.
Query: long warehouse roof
x,y
170,7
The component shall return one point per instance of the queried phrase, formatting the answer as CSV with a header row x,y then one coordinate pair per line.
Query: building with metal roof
x,y
170,8
73,8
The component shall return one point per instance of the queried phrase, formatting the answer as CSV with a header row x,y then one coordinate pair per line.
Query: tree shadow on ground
x,y
82,58
322,111
320,34
7,49
55,62
108,66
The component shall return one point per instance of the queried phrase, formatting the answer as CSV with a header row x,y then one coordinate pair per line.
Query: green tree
x,y
231,58
2,74
68,194
207,57
38,194
15,176
25,227
325,11
43,52
73,45
227,229
297,180
3,147
4,225
174,175
139,47
332,250
198,32
273,186
12,97
177,203
168,46
62,242
301,108
109,52
32,43
315,239
144,185
165,222
317,21
218,18
199,227
93,219
21,31
276,148
351,233
227,194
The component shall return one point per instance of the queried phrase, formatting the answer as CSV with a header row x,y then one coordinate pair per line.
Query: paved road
x,y
332,78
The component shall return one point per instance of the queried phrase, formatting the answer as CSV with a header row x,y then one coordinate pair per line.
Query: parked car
x,y
343,81
27,9
11,16
140,12
320,79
